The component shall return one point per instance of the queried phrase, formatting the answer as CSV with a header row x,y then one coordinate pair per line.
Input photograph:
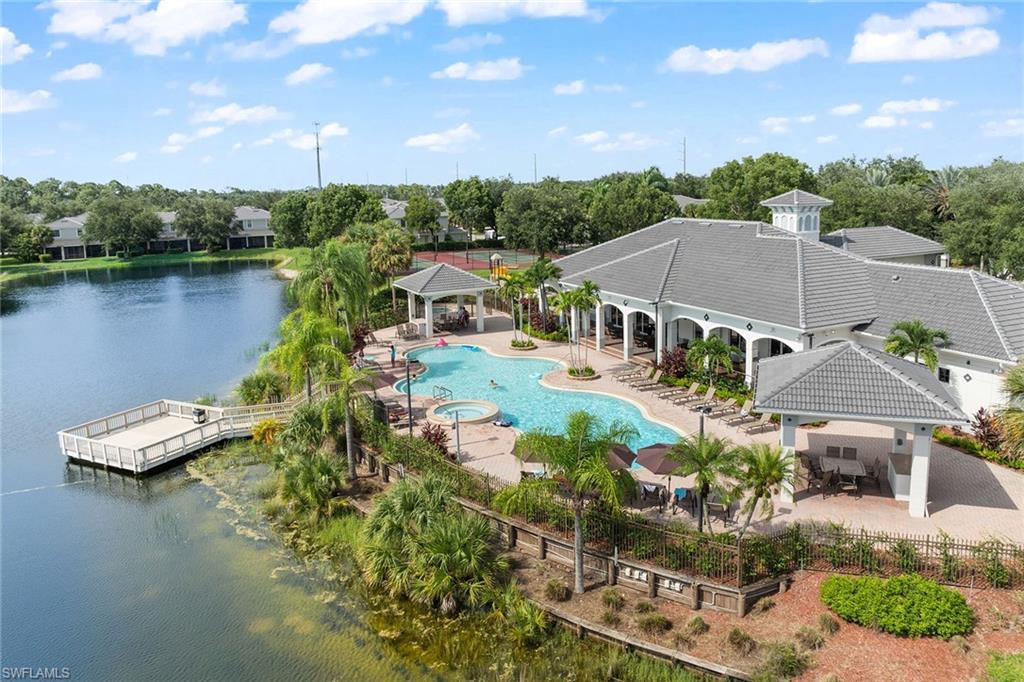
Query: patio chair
x,y
649,385
874,474
689,397
743,416
707,401
832,451
847,484
849,453
372,340
762,424
728,407
822,481
643,376
632,372
678,392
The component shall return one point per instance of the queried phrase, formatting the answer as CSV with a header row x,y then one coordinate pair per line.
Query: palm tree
x,y
336,283
587,296
937,190
261,386
311,485
1011,416
539,274
513,286
304,432
391,253
765,468
580,457
564,302
713,460
307,345
347,384
914,338
711,354
877,177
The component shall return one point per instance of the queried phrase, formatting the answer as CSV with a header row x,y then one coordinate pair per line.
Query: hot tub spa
x,y
469,411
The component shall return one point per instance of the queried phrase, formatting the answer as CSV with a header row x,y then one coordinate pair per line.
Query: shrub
x,y
523,343
741,642
960,644
995,572
265,431
273,508
906,555
809,638
763,605
436,435
783,661
610,617
986,430
587,371
644,607
45,257
613,599
557,590
828,624
267,488
1005,668
697,626
673,362
907,605
654,624
684,640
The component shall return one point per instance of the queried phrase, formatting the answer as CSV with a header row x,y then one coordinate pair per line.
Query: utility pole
x,y
456,170
535,167
407,175
316,132
684,157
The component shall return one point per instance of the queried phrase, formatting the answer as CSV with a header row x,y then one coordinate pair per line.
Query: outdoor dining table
x,y
844,467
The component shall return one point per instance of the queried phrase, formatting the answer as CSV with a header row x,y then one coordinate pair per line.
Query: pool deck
x,y
969,498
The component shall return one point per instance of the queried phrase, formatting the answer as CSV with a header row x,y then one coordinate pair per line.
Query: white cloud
x,y
846,109
11,50
80,72
573,88
177,141
1009,127
304,141
593,137
758,57
775,125
167,24
307,73
236,146
609,87
206,159
17,102
235,113
825,139
387,82
638,104
926,125
809,118
452,140
211,88
912,38
461,12
883,122
271,47
558,132
470,42
749,139
452,112
39,152
162,111
126,157
908,80
915,106
498,70
315,22
358,53
627,142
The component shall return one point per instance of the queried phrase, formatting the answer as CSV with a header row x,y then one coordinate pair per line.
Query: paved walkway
x,y
969,498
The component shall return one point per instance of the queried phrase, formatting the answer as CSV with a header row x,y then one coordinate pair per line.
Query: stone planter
x,y
526,348
583,378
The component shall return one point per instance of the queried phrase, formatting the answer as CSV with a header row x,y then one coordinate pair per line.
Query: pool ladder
x,y
442,393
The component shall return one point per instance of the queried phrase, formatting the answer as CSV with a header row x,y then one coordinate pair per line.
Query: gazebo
x,y
443,280
849,382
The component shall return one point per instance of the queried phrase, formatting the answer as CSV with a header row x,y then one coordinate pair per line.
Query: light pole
x,y
408,388
703,411
458,440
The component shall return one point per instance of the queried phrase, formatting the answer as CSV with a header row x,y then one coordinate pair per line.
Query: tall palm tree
x,y
540,273
336,283
564,302
714,461
513,286
587,296
348,384
311,486
580,456
1011,415
938,188
304,432
764,469
711,354
391,253
308,346
913,337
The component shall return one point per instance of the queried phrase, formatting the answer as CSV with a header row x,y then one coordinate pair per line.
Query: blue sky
x,y
224,94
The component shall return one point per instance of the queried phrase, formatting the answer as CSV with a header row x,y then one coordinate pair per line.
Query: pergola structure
x,y
440,281
849,382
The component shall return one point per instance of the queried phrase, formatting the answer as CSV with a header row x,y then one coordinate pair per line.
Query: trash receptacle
x,y
198,415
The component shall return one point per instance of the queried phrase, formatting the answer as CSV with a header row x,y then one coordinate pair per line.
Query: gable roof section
x,y
847,380
983,315
834,287
442,279
69,221
251,213
640,275
683,201
797,197
882,241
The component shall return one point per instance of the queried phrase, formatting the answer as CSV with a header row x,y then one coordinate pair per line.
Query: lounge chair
x,y
639,377
372,340
762,424
707,401
849,453
630,373
653,383
633,383
691,397
678,392
728,407
743,416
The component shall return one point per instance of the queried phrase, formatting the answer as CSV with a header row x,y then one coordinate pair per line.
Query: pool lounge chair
x,y
372,340
744,415
691,397
632,372
707,401
762,424
644,378
649,385
728,407
676,392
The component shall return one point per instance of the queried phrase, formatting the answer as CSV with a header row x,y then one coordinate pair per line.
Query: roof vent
x,y
896,278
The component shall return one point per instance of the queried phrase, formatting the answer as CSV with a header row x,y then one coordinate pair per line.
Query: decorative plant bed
x,y
513,346
582,377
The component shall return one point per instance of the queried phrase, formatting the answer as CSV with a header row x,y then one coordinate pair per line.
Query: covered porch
x,y
851,383
444,281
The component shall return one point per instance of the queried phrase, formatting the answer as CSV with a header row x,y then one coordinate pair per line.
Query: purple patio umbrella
x,y
620,457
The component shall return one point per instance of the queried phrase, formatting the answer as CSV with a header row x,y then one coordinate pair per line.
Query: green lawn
x,y
295,259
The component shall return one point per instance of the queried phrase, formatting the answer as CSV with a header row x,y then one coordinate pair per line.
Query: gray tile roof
x,y
747,269
847,380
797,197
442,279
683,201
982,315
882,242
69,221
251,213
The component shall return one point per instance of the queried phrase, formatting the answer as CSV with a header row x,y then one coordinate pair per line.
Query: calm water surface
x,y
120,579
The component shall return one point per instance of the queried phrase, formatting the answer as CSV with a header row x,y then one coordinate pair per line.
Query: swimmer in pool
x,y
494,384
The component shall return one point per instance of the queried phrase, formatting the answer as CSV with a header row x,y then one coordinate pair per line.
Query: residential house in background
x,y
394,209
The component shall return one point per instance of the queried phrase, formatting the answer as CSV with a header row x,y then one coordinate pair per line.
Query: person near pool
x,y
494,384
393,354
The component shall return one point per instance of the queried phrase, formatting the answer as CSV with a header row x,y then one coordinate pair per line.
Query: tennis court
x,y
477,259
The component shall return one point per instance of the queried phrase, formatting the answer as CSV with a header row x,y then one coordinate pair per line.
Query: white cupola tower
x,y
798,212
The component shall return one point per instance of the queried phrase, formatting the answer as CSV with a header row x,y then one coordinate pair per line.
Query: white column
x,y
659,337
788,443
412,305
921,459
63,254
479,311
599,315
672,340
627,336
749,368
899,441
458,302
574,324
428,306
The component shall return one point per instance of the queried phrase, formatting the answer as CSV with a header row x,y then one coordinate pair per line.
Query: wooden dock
x,y
151,435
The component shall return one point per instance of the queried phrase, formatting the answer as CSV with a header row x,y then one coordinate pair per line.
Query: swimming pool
x,y
467,371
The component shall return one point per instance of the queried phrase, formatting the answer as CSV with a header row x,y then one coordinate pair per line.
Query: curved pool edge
x,y
491,412
544,382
